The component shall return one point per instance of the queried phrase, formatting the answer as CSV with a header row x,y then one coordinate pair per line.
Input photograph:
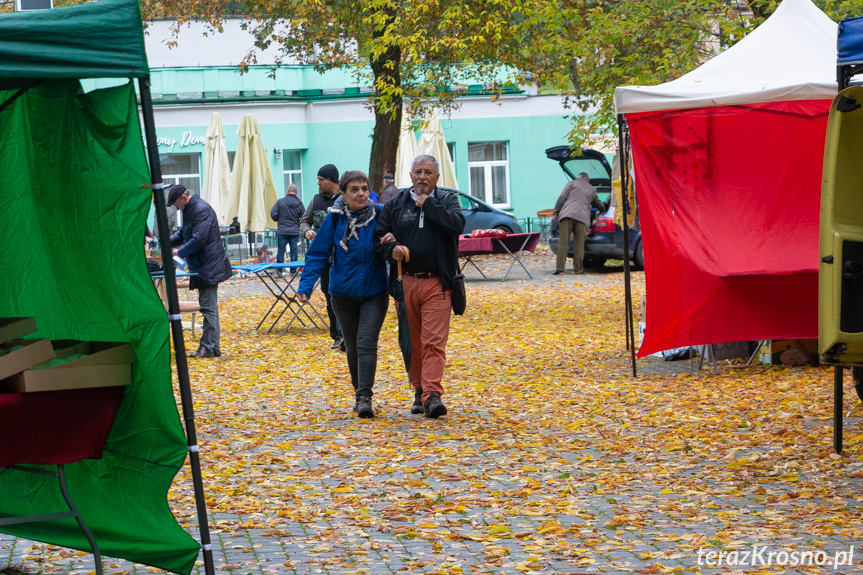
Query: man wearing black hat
x,y
201,248
328,192
390,190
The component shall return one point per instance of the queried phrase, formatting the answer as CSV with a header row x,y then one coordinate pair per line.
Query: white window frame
x,y
174,179
487,165
294,175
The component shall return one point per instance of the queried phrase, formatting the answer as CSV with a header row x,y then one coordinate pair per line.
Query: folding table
x,y
282,288
55,428
510,244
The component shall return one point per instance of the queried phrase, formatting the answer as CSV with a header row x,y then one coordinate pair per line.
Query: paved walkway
x,y
552,460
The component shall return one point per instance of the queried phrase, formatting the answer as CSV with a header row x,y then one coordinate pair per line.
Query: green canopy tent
x,y
74,210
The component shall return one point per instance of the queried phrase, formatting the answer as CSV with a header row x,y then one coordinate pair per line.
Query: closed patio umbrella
x,y
408,150
253,191
217,172
433,143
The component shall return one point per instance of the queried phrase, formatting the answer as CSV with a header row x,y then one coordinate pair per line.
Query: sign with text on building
x,y
187,139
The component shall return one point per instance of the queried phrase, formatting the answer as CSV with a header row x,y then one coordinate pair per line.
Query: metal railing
x,y
541,225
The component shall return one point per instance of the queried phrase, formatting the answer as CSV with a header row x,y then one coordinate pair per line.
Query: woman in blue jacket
x,y
358,280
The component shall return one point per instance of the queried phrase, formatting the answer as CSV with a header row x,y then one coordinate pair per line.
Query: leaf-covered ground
x,y
551,460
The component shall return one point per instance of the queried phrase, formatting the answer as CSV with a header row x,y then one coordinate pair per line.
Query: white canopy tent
x,y
791,56
728,162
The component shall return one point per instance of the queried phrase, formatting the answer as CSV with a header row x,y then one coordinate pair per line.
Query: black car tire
x,y
638,258
504,228
594,262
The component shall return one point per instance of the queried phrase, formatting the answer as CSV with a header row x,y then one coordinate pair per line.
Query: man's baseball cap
x,y
174,194
388,177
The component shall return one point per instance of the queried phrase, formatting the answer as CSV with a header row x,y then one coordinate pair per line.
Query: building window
x,y
183,169
451,147
488,167
292,163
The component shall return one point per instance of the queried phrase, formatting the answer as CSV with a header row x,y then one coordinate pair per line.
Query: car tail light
x,y
604,225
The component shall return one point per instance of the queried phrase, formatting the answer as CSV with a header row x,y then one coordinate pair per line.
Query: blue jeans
x,y
283,243
361,321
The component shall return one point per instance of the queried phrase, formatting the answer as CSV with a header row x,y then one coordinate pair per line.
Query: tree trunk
x,y
388,114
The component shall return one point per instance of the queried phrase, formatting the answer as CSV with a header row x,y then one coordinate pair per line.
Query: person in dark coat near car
x,y
201,247
288,211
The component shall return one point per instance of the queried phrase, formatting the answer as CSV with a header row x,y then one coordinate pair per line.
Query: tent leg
x,y
176,322
837,408
622,156
61,477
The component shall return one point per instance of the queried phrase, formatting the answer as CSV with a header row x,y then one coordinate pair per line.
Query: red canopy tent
x,y
728,162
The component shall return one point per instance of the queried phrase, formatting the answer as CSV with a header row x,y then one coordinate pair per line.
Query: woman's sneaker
x,y
364,407
417,408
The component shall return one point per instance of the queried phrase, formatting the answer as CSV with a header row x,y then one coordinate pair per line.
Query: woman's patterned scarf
x,y
355,220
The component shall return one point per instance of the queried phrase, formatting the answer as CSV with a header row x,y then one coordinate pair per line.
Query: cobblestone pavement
x,y
519,482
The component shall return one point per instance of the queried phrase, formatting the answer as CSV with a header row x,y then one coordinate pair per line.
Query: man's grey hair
x,y
584,175
292,188
426,158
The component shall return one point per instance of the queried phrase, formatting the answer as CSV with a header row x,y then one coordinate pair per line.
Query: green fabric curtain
x,y
97,40
71,255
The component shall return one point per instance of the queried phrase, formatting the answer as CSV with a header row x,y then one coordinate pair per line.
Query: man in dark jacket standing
x,y
424,223
390,190
328,193
202,249
288,211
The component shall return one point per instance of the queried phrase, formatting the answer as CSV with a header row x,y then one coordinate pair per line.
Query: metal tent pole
x,y
622,156
837,407
175,320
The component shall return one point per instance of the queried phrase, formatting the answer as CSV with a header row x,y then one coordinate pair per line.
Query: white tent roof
x,y
791,56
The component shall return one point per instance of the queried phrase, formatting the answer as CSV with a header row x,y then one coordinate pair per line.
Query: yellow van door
x,y
840,273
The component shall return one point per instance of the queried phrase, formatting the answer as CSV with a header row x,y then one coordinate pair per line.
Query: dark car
x,y
478,215
604,239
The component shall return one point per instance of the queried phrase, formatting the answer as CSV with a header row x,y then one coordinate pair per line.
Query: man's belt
x,y
421,275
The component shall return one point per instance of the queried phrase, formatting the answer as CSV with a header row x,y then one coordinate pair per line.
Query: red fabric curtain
x,y
729,201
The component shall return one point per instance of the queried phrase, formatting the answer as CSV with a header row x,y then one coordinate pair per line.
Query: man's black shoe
x,y
434,407
342,345
556,272
417,408
217,352
336,344
364,407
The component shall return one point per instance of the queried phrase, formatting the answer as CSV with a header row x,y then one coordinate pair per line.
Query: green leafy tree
x,y
416,53
590,47
413,53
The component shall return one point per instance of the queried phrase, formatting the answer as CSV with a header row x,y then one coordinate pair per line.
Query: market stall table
x,y
281,287
35,431
509,244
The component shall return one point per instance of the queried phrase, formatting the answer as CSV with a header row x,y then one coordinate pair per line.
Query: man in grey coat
x,y
288,211
201,247
573,211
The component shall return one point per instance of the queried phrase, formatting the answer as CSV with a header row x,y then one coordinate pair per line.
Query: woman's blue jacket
x,y
358,273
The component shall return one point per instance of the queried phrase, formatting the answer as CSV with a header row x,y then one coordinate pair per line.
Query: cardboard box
x,y
32,352
786,352
16,327
106,364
